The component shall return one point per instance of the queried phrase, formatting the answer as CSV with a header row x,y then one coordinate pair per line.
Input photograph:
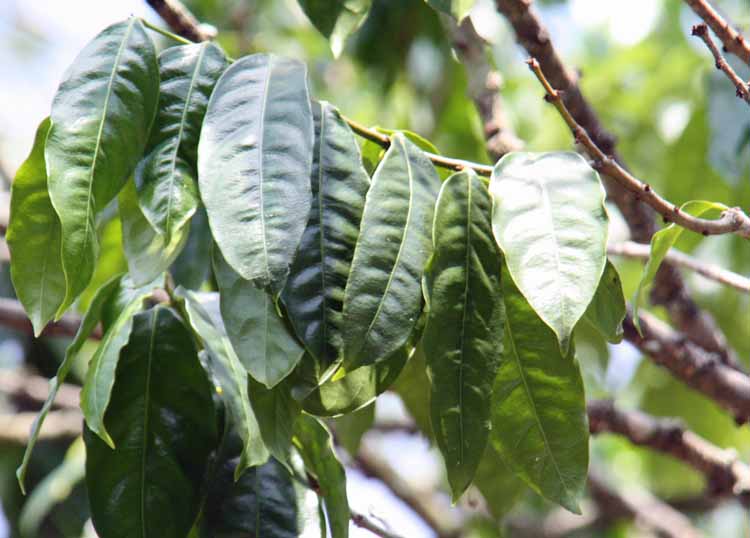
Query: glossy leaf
x,y
276,411
315,444
356,389
539,423
661,242
34,238
456,8
88,323
264,345
101,116
607,308
254,162
550,222
230,375
167,177
463,339
162,421
315,289
336,19
147,252
383,296
100,376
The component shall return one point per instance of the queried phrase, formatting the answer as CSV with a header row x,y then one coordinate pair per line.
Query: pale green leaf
x,y
607,308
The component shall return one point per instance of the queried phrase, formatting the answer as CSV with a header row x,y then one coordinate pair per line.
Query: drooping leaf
x,y
607,308
661,242
356,389
383,295
100,376
463,339
350,428
230,374
315,289
162,421
264,345
315,444
147,252
550,222
192,267
254,162
101,116
34,238
112,260
167,177
336,19
456,8
539,423
276,412
88,323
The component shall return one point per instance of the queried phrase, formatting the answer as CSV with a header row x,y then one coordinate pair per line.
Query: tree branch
x,y
743,91
630,249
731,39
360,520
179,19
27,386
15,427
14,316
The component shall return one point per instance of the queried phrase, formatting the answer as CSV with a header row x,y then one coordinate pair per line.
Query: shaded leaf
x,y
101,116
254,162
607,308
193,265
456,8
162,420
34,238
550,222
276,412
463,339
315,289
350,428
383,296
336,19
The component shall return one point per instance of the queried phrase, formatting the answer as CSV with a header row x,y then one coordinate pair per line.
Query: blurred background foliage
x,y
678,124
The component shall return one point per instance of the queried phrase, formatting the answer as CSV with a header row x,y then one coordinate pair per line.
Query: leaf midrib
x,y
261,133
146,416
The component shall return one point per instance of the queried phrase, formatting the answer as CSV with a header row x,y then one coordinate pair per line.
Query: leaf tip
x,y
21,477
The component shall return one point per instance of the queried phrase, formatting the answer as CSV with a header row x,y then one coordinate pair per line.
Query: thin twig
x,y
731,39
360,520
630,249
179,18
725,473
733,220
743,91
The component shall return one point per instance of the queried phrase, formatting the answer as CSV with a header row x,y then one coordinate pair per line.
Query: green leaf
x,y
101,116
549,220
34,238
167,177
229,374
88,323
336,19
383,296
456,8
463,339
192,267
350,428
264,345
661,242
162,418
147,252
254,162
100,376
315,444
607,308
355,389
112,260
372,152
315,289
539,423
276,411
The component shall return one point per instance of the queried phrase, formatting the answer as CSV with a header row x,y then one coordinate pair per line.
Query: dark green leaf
x,y
315,444
276,411
100,377
549,220
350,428
314,292
34,238
336,19
229,374
383,296
607,308
101,116
167,177
456,8
254,164
539,423
88,323
193,265
463,339
162,419
258,334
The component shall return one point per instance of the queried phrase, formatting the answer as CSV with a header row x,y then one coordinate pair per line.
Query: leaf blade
x,y
607,309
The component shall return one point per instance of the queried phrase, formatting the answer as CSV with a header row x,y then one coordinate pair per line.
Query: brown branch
x,y
179,19
360,520
630,249
743,91
731,39
27,386
725,474
15,427
14,316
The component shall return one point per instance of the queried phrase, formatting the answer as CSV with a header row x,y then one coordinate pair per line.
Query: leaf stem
x,y
166,33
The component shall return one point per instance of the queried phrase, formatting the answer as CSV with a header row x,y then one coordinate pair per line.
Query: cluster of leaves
x,y
204,409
